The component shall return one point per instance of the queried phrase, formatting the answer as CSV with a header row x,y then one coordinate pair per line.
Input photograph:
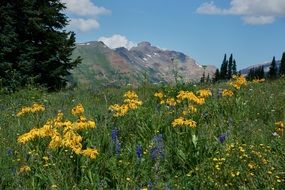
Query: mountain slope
x,y
102,65
265,65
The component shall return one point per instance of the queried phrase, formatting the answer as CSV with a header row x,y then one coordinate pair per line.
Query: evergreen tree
x,y
251,74
224,68
273,69
38,43
217,75
230,67
262,75
8,46
208,80
282,65
202,80
234,67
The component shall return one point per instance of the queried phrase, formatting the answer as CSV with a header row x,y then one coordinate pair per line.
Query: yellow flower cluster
x,y
36,107
158,95
77,110
250,160
170,102
238,81
189,109
258,80
25,169
63,133
182,121
191,97
131,102
227,92
204,93
280,127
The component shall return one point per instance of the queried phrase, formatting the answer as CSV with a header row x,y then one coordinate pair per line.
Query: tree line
x,y
274,72
229,68
35,48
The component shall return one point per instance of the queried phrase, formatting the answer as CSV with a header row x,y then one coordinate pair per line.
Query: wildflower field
x,y
222,136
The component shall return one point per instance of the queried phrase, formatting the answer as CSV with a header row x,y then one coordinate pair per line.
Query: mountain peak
x,y
144,44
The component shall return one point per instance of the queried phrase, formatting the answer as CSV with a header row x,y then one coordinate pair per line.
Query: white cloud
x,y
84,8
209,8
254,20
251,11
84,14
116,41
83,25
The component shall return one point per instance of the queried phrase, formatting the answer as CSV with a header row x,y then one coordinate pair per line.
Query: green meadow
x,y
233,142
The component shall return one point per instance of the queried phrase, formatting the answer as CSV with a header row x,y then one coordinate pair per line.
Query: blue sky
x,y
253,30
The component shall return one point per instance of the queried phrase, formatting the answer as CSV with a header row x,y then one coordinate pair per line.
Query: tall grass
x,y
234,145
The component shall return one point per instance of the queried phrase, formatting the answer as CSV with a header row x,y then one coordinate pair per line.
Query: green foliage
x,y
272,74
256,73
282,65
186,158
234,67
224,68
228,69
34,46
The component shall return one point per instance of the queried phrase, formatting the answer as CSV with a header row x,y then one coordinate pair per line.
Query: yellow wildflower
x,y
171,102
182,121
227,92
77,110
204,93
130,95
158,95
192,109
25,169
280,127
119,110
190,96
251,165
258,80
131,102
238,81
36,107
190,123
90,152
178,122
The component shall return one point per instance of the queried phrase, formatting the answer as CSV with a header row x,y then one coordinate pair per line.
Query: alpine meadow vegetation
x,y
210,136
228,134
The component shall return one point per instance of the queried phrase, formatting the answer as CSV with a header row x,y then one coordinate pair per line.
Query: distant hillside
x,y
104,66
265,65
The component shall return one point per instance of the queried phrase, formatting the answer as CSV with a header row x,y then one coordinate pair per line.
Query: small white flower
x,y
275,134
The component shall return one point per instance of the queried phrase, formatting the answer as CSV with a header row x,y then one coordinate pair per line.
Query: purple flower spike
x,y
222,138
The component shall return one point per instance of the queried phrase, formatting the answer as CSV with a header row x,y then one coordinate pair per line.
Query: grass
x,y
232,147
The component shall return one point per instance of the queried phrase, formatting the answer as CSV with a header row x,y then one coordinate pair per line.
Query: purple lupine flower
x,y
153,153
118,148
158,149
139,151
222,137
10,152
114,134
149,185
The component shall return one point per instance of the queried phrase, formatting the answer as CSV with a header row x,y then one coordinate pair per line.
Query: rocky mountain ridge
x,y
103,65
